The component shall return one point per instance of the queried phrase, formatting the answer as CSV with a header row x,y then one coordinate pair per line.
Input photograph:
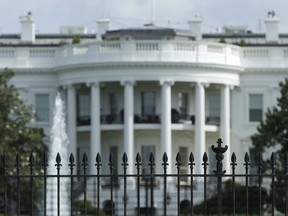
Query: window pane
x,y
183,103
83,105
255,107
183,151
42,107
148,103
255,101
214,104
113,103
145,154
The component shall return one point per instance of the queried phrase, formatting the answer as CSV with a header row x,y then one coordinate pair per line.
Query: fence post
x,y
219,172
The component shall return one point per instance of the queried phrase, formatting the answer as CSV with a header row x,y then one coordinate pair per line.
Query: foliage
x,y
240,199
78,206
76,39
272,132
222,40
242,43
16,137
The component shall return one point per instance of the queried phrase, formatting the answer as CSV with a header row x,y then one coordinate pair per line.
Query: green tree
x,y
17,138
273,132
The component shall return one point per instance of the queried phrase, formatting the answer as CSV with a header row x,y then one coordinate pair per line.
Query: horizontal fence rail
x,y
31,188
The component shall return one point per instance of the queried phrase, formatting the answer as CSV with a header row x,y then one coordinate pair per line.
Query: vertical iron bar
x,y
273,164
98,165
31,164
71,165
246,164
286,180
45,164
138,164
191,164
111,164
58,165
4,161
152,164
85,164
125,164
18,165
260,182
178,164
233,165
205,164
165,164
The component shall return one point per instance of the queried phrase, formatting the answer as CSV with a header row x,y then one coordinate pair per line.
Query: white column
x,y
225,125
129,124
95,133
166,143
199,127
71,120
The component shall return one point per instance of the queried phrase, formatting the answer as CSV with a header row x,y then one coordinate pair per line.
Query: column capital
x,y
167,82
204,84
93,84
127,82
231,87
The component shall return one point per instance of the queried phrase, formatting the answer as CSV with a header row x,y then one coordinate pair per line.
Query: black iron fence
x,y
27,188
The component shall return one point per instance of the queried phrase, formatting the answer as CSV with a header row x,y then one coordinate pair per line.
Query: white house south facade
x,y
150,89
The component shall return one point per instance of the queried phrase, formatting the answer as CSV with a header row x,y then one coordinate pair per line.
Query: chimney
x,y
271,24
103,25
27,28
195,26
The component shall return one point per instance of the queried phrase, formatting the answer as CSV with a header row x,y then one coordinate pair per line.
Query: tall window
x,y
42,107
83,109
145,154
148,101
255,107
214,108
183,151
183,104
113,103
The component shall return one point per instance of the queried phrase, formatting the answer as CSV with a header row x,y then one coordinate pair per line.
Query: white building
x,y
150,88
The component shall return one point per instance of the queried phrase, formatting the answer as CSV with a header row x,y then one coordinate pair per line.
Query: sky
x,y
49,15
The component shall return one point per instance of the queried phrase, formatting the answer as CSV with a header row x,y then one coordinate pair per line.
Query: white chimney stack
x,y
195,26
27,28
271,24
103,25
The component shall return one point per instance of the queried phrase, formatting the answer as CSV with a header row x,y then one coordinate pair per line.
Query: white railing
x,y
117,51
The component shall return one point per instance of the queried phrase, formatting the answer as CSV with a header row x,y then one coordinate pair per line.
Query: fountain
x,y
58,144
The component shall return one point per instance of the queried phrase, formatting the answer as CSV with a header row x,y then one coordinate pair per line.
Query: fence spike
x,y
84,162
44,161
191,160
151,161
125,161
233,158
71,159
98,160
31,159
273,161
246,159
205,158
178,160
71,162
165,158
111,160
58,158
138,158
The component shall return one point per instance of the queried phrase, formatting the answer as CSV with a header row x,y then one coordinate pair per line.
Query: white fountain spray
x,y
58,144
